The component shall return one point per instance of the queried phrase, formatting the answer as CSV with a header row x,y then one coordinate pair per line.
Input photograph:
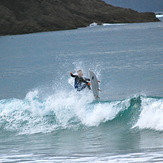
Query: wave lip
x,y
103,112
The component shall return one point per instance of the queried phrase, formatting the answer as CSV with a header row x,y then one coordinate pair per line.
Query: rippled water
x,y
42,117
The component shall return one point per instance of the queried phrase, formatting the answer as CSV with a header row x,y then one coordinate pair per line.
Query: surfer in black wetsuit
x,y
80,82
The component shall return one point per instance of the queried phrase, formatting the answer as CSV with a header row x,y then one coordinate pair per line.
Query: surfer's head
x,y
80,73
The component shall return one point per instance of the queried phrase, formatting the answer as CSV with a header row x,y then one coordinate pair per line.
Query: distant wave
x,y
93,24
64,110
159,15
108,24
104,24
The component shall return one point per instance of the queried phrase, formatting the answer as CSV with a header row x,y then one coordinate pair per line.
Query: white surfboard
x,y
94,85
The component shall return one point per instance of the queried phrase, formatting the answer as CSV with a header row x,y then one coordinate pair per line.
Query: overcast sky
x,y
139,5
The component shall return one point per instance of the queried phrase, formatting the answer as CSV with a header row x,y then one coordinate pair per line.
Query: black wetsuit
x,y
80,82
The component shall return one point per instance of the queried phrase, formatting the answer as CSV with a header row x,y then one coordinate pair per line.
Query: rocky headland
x,y
29,16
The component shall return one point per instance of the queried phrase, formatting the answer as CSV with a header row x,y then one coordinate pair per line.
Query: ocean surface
x,y
42,117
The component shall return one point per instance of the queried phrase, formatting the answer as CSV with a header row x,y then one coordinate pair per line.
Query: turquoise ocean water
x,y
43,119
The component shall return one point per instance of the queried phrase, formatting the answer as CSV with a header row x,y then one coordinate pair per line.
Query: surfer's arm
x,y
73,75
87,79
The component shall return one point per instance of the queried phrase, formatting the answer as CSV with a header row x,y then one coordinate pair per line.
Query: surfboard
x,y
94,84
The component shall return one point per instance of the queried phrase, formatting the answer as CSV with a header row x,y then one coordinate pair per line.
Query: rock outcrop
x,y
29,16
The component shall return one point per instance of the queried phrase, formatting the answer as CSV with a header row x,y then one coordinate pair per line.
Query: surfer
x,y
80,81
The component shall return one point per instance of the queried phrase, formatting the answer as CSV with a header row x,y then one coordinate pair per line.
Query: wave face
x,y
151,114
72,110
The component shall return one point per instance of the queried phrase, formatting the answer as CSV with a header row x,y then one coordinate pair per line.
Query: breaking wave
x,y
72,110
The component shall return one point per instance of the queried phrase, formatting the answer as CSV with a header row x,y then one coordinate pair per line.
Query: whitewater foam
x,y
93,24
60,110
151,114
159,15
108,24
65,110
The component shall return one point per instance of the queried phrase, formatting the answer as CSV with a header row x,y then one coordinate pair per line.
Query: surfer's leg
x,y
86,85
81,87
